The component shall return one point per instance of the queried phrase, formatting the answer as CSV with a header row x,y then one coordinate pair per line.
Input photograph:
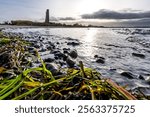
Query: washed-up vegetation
x,y
20,81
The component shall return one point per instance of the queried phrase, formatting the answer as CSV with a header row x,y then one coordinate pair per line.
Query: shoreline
x,y
78,73
24,26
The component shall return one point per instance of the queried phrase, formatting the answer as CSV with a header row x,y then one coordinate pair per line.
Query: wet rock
x,y
66,50
49,60
56,58
73,43
37,46
62,63
112,69
64,57
138,55
100,60
70,62
128,75
52,68
95,56
141,77
57,43
51,47
73,54
59,55
39,37
55,51
68,38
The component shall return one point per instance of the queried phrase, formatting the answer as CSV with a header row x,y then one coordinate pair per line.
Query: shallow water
x,y
115,45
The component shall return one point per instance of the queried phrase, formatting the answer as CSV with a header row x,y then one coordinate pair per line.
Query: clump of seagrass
x,y
72,85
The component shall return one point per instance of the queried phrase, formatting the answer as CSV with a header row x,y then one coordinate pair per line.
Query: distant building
x,y
47,16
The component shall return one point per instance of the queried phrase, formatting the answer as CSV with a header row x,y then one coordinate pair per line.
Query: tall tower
x,y
47,16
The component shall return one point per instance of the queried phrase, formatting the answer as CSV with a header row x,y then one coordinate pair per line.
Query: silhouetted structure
x,y
47,16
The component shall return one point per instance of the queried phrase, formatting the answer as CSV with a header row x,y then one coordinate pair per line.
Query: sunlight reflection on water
x,y
90,35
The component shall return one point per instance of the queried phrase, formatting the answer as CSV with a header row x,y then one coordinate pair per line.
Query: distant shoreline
x,y
25,26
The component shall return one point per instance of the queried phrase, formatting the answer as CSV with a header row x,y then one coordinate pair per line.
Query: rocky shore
x,y
26,74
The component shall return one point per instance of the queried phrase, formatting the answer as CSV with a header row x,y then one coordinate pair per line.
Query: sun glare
x,y
88,6
90,35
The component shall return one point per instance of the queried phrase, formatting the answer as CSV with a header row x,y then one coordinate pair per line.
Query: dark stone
x,y
55,51
138,55
62,63
70,63
51,68
141,77
66,50
100,60
64,58
57,43
49,60
51,47
56,57
128,75
113,69
73,54
59,55
37,46
95,56
73,43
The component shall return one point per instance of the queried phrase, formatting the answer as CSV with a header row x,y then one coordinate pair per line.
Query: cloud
x,y
110,14
67,18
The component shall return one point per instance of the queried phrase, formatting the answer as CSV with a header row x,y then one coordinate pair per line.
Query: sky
x,y
85,11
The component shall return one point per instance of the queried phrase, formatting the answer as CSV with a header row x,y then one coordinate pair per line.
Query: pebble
x,y
128,75
100,60
138,55
59,55
70,62
73,43
73,54
52,68
141,77
49,60
95,56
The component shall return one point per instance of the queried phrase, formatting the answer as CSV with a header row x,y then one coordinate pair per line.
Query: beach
x,y
121,54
